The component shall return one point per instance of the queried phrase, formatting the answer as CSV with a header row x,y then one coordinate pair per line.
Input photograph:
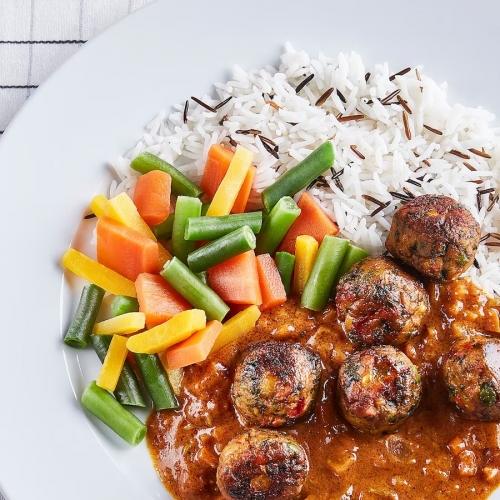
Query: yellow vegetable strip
x,y
176,329
238,325
96,273
163,256
121,208
113,363
229,188
306,248
174,376
98,204
121,325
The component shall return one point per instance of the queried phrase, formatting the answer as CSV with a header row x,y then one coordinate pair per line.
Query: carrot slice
x,y
237,280
218,161
152,196
125,250
271,287
195,348
158,300
244,193
313,220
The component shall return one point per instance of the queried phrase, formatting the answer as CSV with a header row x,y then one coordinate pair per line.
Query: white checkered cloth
x,y
37,36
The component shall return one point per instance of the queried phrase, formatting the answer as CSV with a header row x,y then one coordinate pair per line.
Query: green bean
x,y
276,225
107,409
326,265
128,391
85,316
352,255
203,277
194,290
185,208
146,162
163,230
156,381
224,248
300,176
122,304
211,228
285,262
204,208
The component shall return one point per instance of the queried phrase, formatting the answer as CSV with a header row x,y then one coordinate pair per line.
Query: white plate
x,y
54,155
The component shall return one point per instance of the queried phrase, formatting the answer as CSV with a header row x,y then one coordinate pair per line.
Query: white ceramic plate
x,y
54,155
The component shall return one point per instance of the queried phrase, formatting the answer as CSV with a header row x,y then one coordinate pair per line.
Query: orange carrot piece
x,y
313,220
158,300
237,280
271,287
125,250
218,161
195,348
244,193
152,196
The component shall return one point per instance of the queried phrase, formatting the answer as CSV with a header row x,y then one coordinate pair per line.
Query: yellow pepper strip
x,y
174,376
98,204
122,209
113,363
176,329
306,248
163,256
96,273
121,325
238,325
229,188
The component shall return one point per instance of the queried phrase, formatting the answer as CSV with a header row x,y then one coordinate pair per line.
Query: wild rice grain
x,y
350,118
407,125
390,96
324,97
482,154
203,105
303,83
399,73
404,104
470,167
433,130
90,216
354,149
223,103
459,154
341,96
379,209
186,108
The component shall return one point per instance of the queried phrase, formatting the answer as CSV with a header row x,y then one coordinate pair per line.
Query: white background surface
x,y
54,154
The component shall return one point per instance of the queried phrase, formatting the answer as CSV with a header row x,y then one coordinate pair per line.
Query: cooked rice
x,y
298,126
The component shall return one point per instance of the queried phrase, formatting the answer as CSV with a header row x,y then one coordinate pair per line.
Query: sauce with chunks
x,y
436,453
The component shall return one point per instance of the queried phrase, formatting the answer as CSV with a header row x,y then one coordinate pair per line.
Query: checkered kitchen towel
x,y
37,36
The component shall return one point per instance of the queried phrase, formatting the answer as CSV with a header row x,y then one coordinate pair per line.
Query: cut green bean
x,y
163,231
84,319
204,208
211,228
146,162
128,391
122,305
285,262
185,208
225,248
326,265
203,277
352,255
156,381
194,290
107,409
300,176
276,225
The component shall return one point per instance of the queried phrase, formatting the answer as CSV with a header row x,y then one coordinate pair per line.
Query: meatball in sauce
x,y
379,302
436,235
275,383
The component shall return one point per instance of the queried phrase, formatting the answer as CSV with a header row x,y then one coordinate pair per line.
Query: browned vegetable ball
x,y
262,465
275,383
378,302
436,235
471,373
378,388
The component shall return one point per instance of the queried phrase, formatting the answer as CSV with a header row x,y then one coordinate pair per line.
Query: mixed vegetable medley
x,y
191,277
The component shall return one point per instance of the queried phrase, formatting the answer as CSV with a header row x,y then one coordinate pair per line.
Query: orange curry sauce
x,y
435,453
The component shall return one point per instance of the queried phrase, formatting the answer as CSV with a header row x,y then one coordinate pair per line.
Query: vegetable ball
x,y
262,465
275,383
436,235
378,302
471,373
378,388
